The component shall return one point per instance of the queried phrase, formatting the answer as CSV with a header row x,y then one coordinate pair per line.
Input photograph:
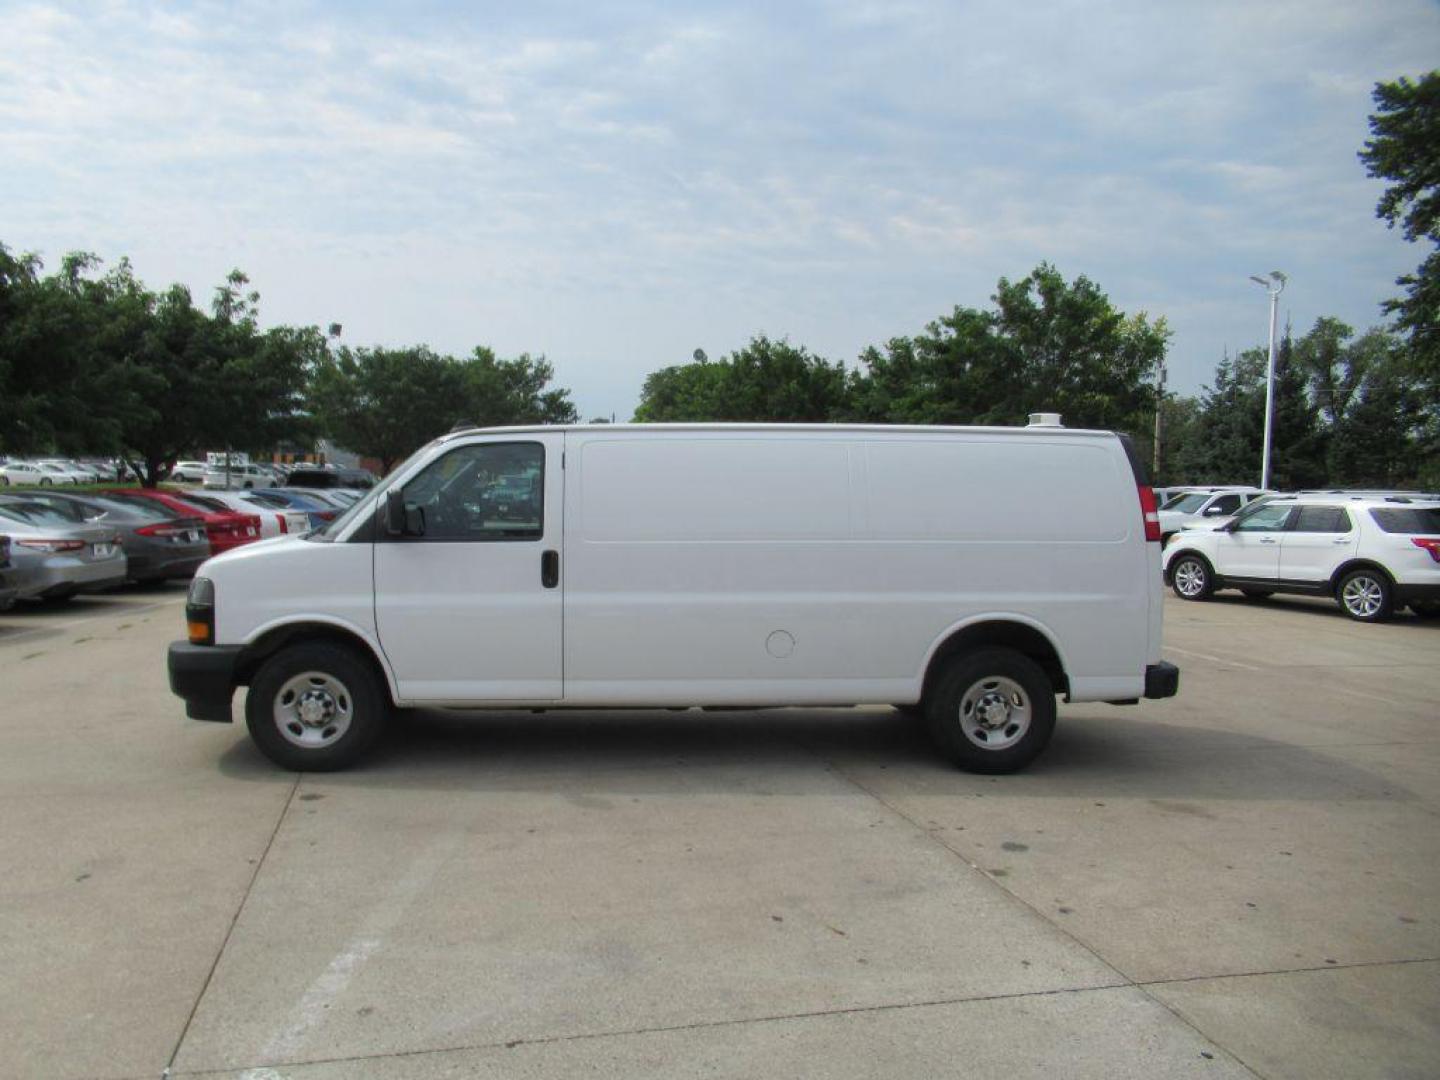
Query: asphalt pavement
x,y
1241,881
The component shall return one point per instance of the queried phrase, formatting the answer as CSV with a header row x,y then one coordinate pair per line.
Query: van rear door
x,y
469,604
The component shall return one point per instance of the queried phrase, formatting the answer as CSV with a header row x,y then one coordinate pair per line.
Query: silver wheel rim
x,y
995,713
1190,578
1362,596
313,710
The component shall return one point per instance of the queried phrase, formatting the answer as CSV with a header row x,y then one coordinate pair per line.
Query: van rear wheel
x,y
992,711
315,707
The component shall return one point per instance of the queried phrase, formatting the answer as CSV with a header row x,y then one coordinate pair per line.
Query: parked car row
x,y
1372,552
52,549
53,471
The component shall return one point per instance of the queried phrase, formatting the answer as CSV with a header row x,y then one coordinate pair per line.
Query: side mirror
x,y
400,520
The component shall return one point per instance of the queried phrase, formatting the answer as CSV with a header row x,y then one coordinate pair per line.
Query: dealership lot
x,y
1239,881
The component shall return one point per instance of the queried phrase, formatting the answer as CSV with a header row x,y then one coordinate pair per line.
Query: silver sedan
x,y
52,558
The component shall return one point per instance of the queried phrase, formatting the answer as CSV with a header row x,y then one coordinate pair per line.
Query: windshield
x,y
365,504
1187,504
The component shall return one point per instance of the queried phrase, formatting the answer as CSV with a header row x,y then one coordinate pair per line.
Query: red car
x,y
226,530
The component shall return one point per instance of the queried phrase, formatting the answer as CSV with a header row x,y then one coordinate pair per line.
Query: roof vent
x,y
1044,419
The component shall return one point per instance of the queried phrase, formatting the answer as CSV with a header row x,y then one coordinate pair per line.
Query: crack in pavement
x,y
230,930
701,1025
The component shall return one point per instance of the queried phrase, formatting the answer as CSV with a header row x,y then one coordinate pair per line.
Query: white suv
x,y
240,477
1191,505
1370,553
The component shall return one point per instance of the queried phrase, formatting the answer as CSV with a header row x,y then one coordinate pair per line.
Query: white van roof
x,y
882,429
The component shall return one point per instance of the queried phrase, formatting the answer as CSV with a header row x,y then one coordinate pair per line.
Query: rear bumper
x,y
204,676
146,566
1162,680
1405,594
60,575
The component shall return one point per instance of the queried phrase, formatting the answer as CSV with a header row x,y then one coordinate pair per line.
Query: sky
x,y
616,185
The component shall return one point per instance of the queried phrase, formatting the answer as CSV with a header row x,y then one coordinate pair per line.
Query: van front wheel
x,y
315,707
992,711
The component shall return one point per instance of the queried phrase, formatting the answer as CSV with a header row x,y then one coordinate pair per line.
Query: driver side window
x,y
1265,519
484,491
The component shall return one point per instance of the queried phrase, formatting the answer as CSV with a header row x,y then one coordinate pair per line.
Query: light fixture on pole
x,y
1275,285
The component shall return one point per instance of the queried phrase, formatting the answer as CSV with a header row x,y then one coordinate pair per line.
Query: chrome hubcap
x,y
1362,596
995,713
1190,578
313,710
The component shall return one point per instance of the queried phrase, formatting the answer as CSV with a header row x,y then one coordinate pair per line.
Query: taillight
x,y
325,515
167,531
284,524
1429,543
53,546
1150,512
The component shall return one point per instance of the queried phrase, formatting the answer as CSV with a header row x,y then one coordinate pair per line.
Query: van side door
x,y
469,602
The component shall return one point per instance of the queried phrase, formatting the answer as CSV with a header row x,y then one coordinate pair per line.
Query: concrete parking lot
x,y
1242,881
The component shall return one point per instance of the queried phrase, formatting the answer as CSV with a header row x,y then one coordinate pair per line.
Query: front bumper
x,y
1162,680
204,676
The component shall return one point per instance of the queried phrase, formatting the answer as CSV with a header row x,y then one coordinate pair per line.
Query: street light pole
x,y
1274,287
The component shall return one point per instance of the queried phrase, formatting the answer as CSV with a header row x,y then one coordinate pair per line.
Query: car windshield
x,y
1418,520
1188,503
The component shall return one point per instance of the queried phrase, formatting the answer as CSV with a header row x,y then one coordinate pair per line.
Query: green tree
x,y
1405,148
58,388
1371,404
1227,435
766,381
385,403
499,392
1045,346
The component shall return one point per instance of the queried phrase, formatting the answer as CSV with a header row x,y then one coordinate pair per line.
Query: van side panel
x,y
787,567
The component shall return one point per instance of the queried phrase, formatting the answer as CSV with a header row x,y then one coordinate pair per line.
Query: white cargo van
x,y
967,574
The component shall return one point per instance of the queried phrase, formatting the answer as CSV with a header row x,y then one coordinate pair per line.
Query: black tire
x,y
1365,595
1426,609
1192,578
1005,683
340,690
45,481
1257,594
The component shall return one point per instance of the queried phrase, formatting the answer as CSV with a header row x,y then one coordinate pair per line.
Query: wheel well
x,y
1003,634
1358,564
271,642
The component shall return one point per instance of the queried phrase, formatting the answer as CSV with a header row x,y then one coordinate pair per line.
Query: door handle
x,y
1341,540
1267,539
549,569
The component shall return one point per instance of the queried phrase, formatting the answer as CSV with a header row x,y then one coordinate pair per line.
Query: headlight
x,y
200,612
202,593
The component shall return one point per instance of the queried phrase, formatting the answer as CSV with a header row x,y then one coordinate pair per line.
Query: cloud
x,y
616,184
